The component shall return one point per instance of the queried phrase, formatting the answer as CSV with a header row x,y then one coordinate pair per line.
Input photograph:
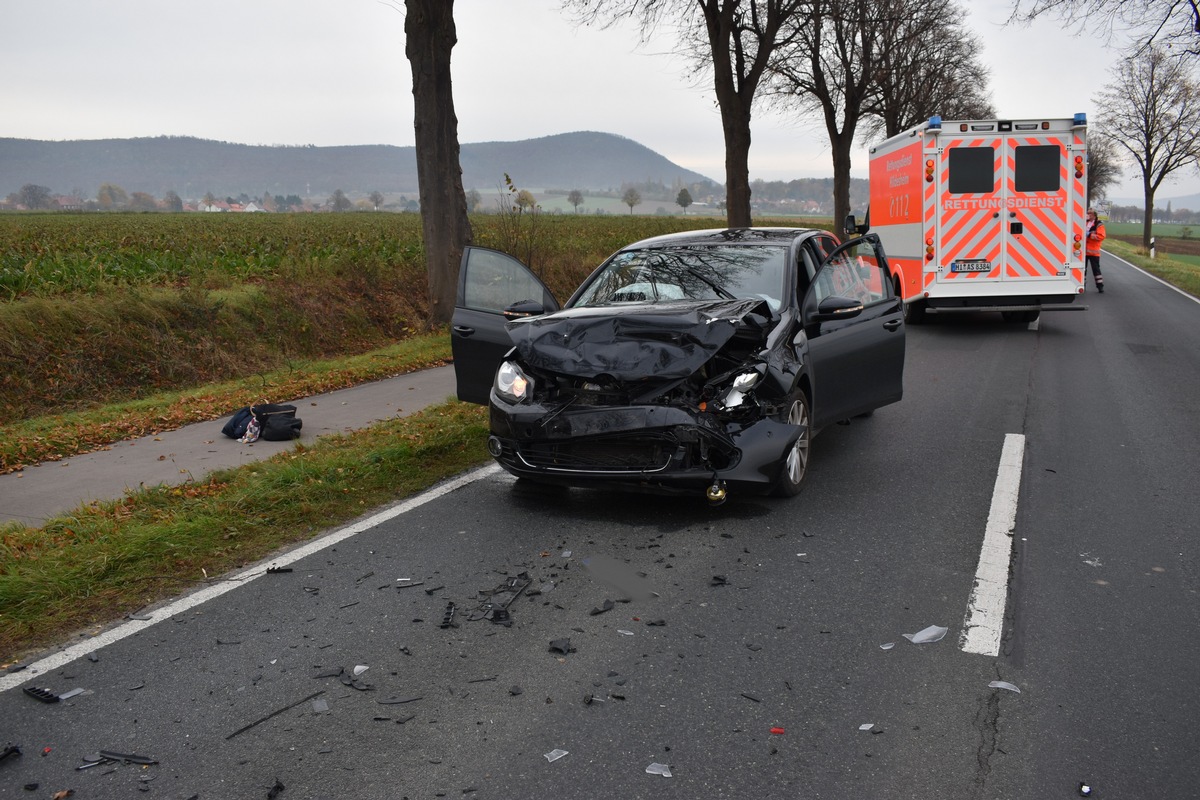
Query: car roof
x,y
723,236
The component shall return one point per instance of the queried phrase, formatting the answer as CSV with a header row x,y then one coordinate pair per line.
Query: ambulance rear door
x,y
1003,211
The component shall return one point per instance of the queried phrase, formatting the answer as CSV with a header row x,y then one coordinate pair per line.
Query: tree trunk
x,y
737,166
430,35
841,145
1148,217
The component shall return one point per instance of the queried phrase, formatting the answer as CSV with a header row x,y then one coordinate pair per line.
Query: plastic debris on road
x,y
866,726
934,633
658,769
1004,685
887,645
555,755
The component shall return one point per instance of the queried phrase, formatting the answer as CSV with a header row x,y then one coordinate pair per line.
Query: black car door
x,y
490,283
855,329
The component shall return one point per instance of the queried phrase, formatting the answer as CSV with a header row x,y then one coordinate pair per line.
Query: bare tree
x,y
33,196
735,40
927,63
430,35
827,67
1103,166
575,198
631,198
1171,23
1152,111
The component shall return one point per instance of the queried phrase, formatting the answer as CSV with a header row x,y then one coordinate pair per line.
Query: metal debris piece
x,y
659,769
1004,685
127,758
934,633
448,617
409,583
396,701
719,580
555,755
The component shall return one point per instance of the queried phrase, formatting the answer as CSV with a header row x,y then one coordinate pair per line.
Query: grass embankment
x,y
1178,273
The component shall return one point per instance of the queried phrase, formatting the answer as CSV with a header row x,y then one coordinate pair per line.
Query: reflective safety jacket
x,y
1095,236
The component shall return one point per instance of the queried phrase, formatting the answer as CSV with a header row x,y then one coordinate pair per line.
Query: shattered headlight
x,y
512,384
740,387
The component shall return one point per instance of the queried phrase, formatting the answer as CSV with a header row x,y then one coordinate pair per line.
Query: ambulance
x,y
983,215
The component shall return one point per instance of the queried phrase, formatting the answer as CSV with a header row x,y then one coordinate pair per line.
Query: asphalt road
x,y
727,623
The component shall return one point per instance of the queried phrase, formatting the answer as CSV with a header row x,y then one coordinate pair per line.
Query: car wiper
x,y
725,293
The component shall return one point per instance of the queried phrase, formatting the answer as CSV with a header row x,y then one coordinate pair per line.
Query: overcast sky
x,y
333,72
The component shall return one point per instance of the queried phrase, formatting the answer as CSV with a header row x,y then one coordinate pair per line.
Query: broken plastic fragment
x,y
608,606
360,669
934,633
719,580
555,755
70,694
1004,685
658,769
1085,790
866,726
777,731
561,646
45,695
887,646
320,705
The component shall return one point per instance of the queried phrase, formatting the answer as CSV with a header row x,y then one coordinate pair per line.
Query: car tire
x,y
914,312
794,467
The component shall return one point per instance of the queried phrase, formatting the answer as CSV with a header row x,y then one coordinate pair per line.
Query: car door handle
x,y
892,324
463,330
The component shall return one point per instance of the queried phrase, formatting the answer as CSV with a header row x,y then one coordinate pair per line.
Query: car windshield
x,y
697,272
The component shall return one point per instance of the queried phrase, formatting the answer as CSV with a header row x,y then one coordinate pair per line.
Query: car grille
x,y
600,455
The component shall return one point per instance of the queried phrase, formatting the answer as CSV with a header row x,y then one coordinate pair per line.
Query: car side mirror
x,y
525,308
835,307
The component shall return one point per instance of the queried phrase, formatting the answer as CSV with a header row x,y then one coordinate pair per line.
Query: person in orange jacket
x,y
1095,235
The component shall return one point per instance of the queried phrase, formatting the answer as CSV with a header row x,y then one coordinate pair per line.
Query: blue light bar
x,y
935,121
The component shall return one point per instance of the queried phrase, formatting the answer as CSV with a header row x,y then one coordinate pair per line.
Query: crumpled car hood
x,y
632,342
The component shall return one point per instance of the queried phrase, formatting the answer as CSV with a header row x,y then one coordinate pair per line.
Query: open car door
x,y
493,287
855,327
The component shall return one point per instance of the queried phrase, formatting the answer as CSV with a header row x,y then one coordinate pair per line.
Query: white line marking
x,y
1154,277
984,621
80,649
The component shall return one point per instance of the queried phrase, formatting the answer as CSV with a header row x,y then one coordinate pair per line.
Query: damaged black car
x,y
703,361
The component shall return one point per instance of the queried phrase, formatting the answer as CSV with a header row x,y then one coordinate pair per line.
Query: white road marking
x,y
157,615
984,621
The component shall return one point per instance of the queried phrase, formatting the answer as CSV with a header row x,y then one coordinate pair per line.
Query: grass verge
x,y
85,570
52,438
1177,273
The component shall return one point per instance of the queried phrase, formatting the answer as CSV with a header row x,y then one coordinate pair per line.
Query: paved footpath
x,y
55,488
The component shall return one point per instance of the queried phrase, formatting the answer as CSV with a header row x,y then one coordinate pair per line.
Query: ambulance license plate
x,y
971,265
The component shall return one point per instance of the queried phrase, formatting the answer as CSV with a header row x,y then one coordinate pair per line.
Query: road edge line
x,y
111,636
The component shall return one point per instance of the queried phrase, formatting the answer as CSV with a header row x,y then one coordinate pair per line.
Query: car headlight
x,y
740,386
512,384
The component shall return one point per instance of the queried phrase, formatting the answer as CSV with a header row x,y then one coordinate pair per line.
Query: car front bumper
x,y
647,447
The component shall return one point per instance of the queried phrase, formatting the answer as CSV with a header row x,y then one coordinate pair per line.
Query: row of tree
x,y
864,67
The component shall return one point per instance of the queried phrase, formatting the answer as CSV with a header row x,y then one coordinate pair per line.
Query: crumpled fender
x,y
763,445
